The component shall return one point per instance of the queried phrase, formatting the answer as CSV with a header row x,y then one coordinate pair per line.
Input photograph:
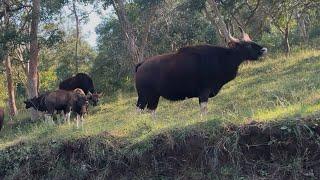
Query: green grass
x,y
274,88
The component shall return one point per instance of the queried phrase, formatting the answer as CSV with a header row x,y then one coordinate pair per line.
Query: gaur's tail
x,y
138,65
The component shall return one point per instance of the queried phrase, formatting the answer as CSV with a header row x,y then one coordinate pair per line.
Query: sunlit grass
x,y
275,88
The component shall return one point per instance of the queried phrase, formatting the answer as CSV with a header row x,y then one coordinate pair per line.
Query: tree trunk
x,y
219,35
34,50
218,19
145,33
302,27
10,87
77,36
136,53
127,29
286,41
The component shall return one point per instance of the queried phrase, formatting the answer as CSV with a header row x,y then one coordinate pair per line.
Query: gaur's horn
x,y
233,39
245,36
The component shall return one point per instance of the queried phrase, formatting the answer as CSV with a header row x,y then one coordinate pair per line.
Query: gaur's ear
x,y
100,94
232,44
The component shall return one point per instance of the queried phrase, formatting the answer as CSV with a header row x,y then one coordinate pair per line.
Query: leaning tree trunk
x,y
10,88
127,29
217,19
286,43
146,31
34,50
302,27
218,33
136,52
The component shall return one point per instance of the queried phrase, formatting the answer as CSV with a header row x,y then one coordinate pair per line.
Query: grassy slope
x,y
276,88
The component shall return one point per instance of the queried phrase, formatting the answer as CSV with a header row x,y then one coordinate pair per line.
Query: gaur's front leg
x,y
203,101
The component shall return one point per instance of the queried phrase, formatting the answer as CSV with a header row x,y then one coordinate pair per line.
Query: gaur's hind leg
x,y
82,120
141,103
49,116
153,104
203,101
78,119
67,114
67,117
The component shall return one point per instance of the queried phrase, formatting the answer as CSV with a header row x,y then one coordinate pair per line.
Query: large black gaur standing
x,y
1,117
84,82
80,80
195,71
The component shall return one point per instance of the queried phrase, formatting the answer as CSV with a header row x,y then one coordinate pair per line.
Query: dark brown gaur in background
x,y
1,117
195,71
84,82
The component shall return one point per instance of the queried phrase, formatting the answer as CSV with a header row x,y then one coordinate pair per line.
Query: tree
x,y
66,66
282,14
176,24
10,87
217,20
74,11
79,16
7,46
34,50
136,52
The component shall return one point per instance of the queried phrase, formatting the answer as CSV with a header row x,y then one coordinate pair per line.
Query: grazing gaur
x,y
1,117
84,82
194,71
37,103
93,97
67,101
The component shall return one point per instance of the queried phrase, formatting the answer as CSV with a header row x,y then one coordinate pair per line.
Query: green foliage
x,y
112,65
181,23
48,80
61,59
167,34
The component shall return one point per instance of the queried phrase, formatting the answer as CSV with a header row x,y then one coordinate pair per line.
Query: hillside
x,y
264,124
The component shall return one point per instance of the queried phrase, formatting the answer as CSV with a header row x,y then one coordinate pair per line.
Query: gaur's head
x,y
79,91
82,103
94,98
30,103
248,48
